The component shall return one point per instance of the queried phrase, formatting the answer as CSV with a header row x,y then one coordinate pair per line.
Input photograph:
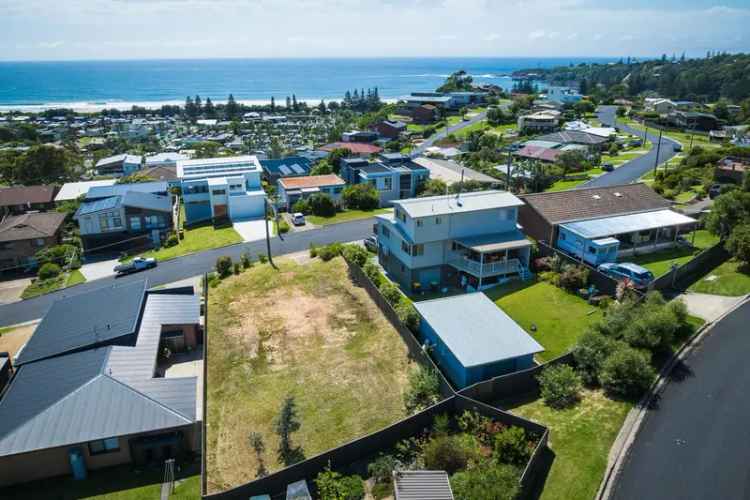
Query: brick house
x,y
22,236
425,114
21,199
389,129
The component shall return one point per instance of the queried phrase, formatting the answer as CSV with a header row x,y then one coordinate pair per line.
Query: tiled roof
x,y
539,153
590,203
354,147
311,181
21,195
30,226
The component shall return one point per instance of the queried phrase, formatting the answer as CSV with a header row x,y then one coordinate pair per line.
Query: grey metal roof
x,y
422,485
90,207
496,241
97,192
147,201
608,226
101,392
475,330
85,320
451,204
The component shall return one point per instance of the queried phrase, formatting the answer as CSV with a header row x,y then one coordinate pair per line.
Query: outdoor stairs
x,y
525,273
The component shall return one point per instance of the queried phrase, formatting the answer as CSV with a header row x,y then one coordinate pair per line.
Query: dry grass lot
x,y
305,331
12,338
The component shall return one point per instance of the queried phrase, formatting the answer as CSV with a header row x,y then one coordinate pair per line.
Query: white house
x,y
220,188
469,240
564,95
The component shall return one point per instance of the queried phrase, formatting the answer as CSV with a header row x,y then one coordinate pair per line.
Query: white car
x,y
135,265
298,219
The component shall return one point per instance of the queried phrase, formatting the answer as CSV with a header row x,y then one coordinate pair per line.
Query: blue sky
x,y
133,29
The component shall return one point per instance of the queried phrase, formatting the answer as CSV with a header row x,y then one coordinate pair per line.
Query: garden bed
x,y
306,332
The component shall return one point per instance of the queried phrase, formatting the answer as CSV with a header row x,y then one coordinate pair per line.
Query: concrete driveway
x,y
251,229
708,307
103,268
10,291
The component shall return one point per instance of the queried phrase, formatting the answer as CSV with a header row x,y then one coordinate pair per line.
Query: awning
x,y
495,242
621,224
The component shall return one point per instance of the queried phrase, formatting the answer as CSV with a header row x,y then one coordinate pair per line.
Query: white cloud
x,y
537,34
491,37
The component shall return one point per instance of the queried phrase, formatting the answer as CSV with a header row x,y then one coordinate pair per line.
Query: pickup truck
x,y
135,265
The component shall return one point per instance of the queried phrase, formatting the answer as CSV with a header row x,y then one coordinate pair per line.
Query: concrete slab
x,y
251,229
189,364
708,307
99,269
10,291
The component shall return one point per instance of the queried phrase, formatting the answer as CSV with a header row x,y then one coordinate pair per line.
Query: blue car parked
x,y
639,276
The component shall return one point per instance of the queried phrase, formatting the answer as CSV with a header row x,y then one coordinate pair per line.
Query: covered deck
x,y
489,259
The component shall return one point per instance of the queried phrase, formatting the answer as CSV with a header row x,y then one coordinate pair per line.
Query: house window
x,y
592,250
135,223
102,446
417,250
385,231
219,192
39,242
438,221
419,222
153,221
110,220
387,184
405,247
338,190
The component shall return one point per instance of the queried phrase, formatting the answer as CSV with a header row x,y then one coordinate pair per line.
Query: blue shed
x,y
473,340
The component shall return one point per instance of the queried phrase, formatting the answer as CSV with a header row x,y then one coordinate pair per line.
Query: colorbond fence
x,y
204,447
679,276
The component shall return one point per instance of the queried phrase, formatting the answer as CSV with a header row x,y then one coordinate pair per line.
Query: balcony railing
x,y
489,269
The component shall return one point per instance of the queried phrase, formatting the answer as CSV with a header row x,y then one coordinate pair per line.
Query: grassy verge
x,y
76,277
580,438
114,483
563,185
64,280
661,262
559,317
345,216
682,137
304,331
198,239
730,279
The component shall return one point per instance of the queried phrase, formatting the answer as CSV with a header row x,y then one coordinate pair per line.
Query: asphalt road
x,y
192,265
442,135
695,444
634,169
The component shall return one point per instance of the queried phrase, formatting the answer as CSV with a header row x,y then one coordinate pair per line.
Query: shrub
x,y
237,268
423,389
332,485
262,258
361,196
560,386
49,270
574,277
626,372
355,254
487,481
445,453
382,468
224,266
328,252
408,315
390,292
512,446
171,240
373,272
301,206
282,226
592,350
441,424
58,254
246,260
322,204
738,243
313,251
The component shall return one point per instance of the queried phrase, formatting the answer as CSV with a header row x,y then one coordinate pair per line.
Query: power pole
x,y
268,235
658,150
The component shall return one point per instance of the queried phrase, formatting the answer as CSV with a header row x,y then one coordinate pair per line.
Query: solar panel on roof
x,y
298,169
285,170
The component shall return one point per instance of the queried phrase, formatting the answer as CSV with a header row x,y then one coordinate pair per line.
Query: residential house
x,y
449,101
390,129
660,106
160,188
363,136
22,236
360,149
732,169
21,199
541,121
591,142
603,224
693,120
132,219
168,159
472,339
220,188
119,165
293,189
540,153
163,173
394,175
91,389
425,114
291,166
564,95
73,190
469,240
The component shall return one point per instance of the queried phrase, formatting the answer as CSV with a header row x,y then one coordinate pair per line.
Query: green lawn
x,y
560,317
41,287
682,137
562,185
729,278
580,438
345,216
661,262
304,331
197,239
114,483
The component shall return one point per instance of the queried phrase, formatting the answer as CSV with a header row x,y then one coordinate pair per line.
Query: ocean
x,y
93,85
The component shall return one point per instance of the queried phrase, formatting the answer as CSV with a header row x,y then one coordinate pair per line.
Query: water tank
x,y
77,463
